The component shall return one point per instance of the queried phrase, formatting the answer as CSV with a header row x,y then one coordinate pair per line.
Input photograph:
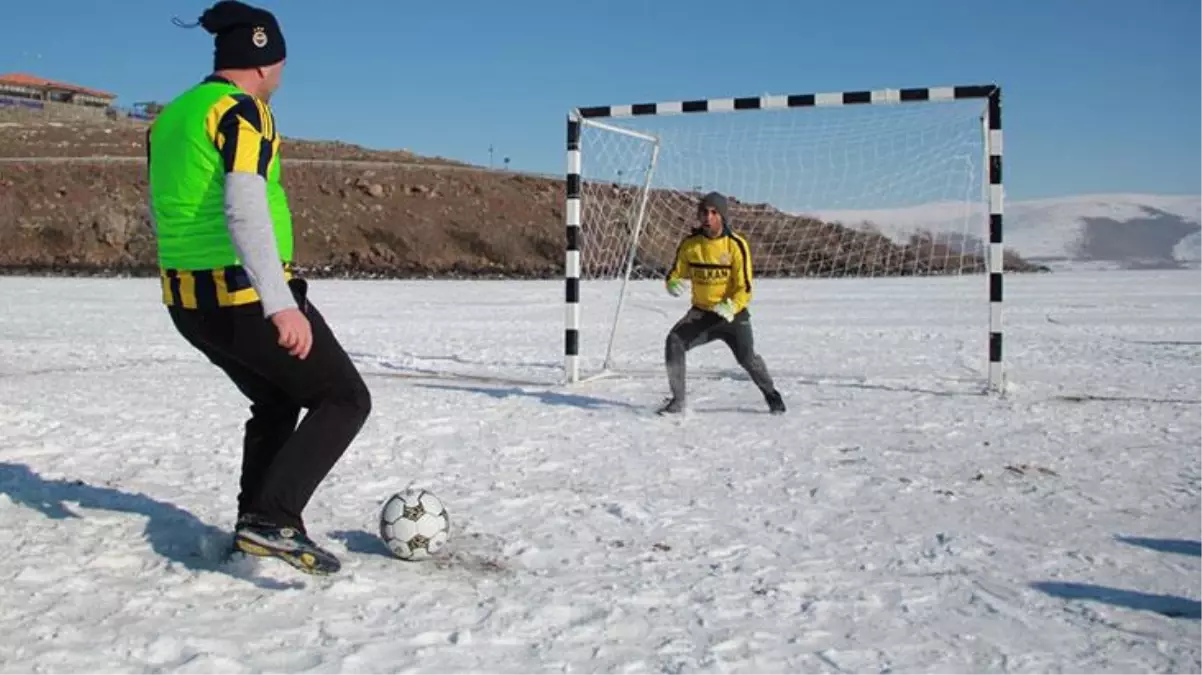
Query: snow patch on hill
x,y
1119,231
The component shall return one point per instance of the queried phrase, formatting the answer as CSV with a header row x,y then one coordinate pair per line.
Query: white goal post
x,y
633,182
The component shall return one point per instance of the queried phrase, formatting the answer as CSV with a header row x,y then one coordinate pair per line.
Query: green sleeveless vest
x,y
187,184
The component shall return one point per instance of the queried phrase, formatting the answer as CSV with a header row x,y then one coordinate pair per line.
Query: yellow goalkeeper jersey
x,y
717,269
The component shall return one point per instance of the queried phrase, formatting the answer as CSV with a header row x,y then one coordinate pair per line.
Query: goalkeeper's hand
x,y
725,309
675,287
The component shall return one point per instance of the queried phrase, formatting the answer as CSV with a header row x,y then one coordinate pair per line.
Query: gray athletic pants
x,y
699,327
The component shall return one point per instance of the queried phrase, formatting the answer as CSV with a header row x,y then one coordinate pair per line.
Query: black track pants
x,y
282,463
699,327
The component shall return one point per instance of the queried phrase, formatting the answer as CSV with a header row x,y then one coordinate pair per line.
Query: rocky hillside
x,y
72,200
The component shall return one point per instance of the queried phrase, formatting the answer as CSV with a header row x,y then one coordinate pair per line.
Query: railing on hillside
x,y
30,104
130,113
355,163
50,107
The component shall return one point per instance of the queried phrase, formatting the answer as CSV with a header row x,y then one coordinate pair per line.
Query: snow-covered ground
x,y
895,520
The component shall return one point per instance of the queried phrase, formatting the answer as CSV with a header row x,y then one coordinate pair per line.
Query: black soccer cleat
x,y
258,537
776,405
671,407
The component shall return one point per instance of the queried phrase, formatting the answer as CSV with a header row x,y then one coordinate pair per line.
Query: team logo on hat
x,y
259,38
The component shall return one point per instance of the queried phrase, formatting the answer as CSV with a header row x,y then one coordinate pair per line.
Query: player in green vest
x,y
225,245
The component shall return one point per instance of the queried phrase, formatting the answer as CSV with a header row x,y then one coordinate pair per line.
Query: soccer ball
x,y
414,524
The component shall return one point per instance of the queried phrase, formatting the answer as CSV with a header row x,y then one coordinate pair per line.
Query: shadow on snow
x,y
542,396
1172,606
172,532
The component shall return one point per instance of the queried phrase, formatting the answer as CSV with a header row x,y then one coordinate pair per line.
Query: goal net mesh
x,y
867,226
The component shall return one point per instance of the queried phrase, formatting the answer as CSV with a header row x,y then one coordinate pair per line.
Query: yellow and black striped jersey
x,y
717,268
242,128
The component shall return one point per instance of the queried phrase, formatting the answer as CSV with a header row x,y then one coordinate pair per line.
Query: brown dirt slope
x,y
365,213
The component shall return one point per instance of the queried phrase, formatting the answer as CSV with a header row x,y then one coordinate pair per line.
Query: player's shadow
x,y
362,542
947,386
172,532
1173,606
467,551
391,368
541,395
1179,546
820,382
388,363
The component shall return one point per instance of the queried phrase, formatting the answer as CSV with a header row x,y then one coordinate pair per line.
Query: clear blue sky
x,y
1100,95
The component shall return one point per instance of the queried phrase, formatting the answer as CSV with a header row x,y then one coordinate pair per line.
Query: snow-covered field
x,y
895,520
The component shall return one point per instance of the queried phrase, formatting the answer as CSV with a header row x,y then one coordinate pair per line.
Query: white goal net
x,y
869,228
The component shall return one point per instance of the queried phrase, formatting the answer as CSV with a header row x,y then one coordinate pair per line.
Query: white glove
x,y
675,287
725,309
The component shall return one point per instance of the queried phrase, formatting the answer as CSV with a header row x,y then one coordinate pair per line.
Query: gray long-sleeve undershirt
x,y
248,218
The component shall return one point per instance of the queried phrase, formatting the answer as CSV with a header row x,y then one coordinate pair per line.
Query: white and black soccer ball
x,y
414,524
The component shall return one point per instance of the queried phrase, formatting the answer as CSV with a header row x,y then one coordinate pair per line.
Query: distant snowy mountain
x,y
1120,231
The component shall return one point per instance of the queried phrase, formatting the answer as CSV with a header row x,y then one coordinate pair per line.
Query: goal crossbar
x,y
992,137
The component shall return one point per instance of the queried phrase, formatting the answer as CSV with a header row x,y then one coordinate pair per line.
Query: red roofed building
x,y
32,87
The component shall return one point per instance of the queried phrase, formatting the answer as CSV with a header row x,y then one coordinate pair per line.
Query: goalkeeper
x,y
717,262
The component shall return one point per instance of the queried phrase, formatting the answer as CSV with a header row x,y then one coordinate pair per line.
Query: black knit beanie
x,y
715,200
245,36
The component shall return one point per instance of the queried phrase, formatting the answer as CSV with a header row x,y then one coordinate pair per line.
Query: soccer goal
x,y
874,219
